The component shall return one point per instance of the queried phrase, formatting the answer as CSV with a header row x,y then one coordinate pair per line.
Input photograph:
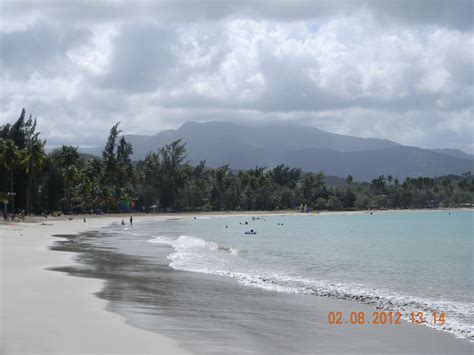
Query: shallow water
x,y
394,261
397,261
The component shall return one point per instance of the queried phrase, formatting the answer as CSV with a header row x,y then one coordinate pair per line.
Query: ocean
x,y
400,262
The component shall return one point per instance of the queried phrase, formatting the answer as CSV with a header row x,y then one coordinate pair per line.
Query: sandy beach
x,y
47,312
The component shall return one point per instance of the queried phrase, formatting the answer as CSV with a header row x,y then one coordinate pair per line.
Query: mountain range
x,y
244,146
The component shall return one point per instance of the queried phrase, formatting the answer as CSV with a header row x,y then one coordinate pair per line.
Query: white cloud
x,y
95,56
368,70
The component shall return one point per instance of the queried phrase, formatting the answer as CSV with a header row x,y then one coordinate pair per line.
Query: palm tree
x,y
66,156
10,157
221,181
88,184
70,176
172,157
2,149
33,159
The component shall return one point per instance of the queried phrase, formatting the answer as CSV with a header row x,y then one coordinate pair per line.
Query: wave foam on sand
x,y
197,255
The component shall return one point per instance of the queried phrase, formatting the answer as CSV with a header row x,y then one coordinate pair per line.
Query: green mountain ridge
x,y
244,146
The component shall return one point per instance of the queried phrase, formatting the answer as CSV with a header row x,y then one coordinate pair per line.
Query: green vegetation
x,y
67,181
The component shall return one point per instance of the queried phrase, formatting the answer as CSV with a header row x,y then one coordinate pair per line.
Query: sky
x,y
396,69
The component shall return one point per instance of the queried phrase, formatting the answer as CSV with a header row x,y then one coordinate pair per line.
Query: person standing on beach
x,y
131,220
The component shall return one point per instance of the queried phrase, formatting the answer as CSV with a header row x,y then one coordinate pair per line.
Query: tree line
x,y
65,180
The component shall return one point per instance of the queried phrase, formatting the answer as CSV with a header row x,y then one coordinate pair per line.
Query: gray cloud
x,y
142,57
454,13
396,69
38,49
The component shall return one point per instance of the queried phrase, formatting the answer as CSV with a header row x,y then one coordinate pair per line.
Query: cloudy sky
x,y
401,70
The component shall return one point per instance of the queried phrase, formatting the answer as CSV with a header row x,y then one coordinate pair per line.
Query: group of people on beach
x,y
123,221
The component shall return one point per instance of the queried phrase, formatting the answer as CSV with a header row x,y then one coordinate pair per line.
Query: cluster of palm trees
x,y
65,180
62,180
26,154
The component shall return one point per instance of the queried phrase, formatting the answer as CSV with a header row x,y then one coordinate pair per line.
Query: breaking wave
x,y
197,255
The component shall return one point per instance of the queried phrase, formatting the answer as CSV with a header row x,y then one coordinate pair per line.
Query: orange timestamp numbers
x,y
383,318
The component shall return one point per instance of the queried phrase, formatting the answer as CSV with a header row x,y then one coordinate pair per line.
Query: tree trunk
x,y
28,192
68,199
12,196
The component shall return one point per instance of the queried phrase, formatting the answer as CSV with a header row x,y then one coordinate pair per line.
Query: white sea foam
x,y
197,255
188,244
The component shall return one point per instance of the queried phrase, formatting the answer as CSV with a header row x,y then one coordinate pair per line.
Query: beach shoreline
x,y
50,312
47,312
219,214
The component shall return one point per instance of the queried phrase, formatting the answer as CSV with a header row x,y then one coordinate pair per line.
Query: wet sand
x,y
45,312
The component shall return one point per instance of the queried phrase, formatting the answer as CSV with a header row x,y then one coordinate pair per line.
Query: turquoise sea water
x,y
407,261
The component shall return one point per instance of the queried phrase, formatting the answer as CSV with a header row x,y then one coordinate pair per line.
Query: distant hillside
x,y
205,137
245,146
454,153
84,157
399,162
